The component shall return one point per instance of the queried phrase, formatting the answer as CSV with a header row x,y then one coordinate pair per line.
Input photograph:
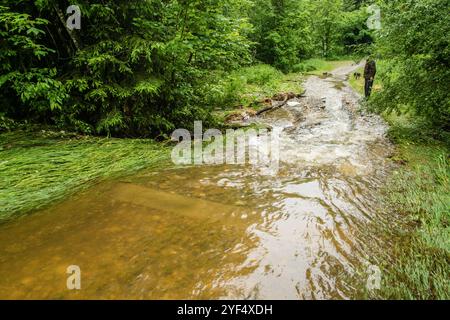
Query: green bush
x,y
282,32
136,68
303,67
6,124
415,44
261,74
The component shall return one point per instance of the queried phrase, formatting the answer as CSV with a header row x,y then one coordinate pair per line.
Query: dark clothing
x,y
368,87
370,71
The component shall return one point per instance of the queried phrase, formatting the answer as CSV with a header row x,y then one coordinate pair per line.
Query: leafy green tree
x,y
135,67
282,32
27,76
355,36
326,18
414,40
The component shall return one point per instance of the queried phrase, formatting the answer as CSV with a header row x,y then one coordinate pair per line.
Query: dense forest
x,y
139,68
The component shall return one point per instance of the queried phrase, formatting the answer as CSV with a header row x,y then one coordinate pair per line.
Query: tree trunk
x,y
71,33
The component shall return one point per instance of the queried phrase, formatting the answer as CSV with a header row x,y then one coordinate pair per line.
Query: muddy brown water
x,y
229,231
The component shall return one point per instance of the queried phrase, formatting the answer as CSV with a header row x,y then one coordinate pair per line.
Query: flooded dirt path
x,y
211,232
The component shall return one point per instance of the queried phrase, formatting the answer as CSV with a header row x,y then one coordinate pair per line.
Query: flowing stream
x,y
226,231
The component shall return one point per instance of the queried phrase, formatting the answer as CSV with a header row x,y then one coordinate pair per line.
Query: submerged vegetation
x,y
39,167
413,96
420,192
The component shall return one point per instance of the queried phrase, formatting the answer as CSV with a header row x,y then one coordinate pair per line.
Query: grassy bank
x,y
420,191
244,91
40,167
248,85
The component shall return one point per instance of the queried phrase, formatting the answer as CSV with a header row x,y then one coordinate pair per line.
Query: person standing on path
x,y
369,75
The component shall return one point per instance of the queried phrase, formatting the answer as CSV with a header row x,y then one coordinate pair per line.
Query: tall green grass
x,y
37,168
357,84
250,84
420,191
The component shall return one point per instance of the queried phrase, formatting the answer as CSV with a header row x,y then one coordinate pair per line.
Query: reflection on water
x,y
220,231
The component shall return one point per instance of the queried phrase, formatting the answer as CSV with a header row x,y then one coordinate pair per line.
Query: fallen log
x,y
237,125
280,104
272,107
